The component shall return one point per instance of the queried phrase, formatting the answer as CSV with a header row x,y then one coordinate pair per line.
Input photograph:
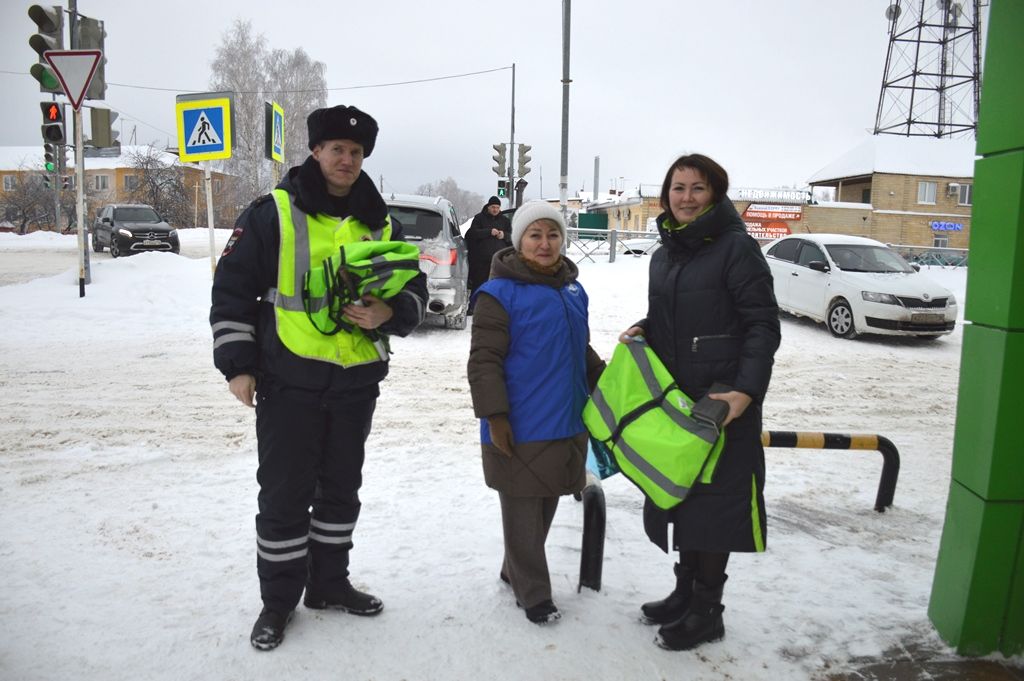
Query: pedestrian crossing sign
x,y
204,126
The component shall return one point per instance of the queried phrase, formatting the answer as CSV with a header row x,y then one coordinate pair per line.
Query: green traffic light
x,y
50,167
46,77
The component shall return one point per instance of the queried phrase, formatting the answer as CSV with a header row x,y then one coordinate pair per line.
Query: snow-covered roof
x,y
903,156
29,158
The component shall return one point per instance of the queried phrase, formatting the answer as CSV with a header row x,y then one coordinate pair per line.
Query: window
x,y
940,241
131,182
102,182
966,190
926,192
865,195
809,253
10,182
785,250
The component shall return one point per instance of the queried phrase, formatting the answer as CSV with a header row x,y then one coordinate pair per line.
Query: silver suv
x,y
431,224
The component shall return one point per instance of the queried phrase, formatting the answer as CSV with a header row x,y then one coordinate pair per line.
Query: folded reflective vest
x,y
639,412
380,268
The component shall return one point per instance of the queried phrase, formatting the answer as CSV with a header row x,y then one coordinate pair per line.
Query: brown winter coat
x,y
537,469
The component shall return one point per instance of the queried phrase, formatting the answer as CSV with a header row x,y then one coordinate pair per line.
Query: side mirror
x,y
107,221
917,268
819,266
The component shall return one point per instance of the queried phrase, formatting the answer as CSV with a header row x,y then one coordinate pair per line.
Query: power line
x,y
330,89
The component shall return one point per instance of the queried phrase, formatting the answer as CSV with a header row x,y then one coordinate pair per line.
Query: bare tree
x,y
245,65
467,203
29,201
160,184
299,85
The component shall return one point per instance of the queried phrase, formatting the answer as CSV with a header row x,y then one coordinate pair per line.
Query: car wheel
x,y
455,321
115,250
96,245
840,320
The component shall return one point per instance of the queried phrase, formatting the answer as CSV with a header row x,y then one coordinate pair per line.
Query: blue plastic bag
x,y
600,460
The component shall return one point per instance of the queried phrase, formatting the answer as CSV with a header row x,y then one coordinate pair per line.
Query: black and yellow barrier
x,y
890,456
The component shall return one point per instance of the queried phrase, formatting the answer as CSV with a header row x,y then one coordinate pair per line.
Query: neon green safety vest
x,y
310,291
639,412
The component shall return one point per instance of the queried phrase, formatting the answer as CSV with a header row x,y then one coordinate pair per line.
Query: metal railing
x,y
585,244
932,255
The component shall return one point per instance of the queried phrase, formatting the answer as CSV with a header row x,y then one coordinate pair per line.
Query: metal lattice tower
x,y
932,80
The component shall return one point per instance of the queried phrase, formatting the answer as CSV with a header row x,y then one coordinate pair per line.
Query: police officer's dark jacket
x,y
248,269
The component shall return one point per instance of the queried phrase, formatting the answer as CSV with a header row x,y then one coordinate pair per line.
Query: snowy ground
x,y
127,489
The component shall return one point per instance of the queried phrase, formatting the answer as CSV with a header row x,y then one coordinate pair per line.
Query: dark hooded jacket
x,y
712,316
482,245
248,269
539,468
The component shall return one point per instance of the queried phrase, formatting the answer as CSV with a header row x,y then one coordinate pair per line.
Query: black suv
x,y
132,228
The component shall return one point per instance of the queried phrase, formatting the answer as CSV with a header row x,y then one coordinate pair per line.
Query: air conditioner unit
x,y
952,189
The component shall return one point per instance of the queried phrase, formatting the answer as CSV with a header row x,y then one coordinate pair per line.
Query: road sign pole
x,y
208,181
80,202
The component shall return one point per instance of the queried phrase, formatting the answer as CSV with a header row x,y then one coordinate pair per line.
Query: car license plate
x,y
927,318
154,242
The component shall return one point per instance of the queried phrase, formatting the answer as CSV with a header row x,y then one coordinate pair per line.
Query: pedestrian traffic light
x,y
48,181
102,133
67,182
53,122
90,37
502,188
50,157
499,158
524,159
49,21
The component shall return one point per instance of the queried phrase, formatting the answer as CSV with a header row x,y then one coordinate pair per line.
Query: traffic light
x,y
67,182
102,133
524,159
48,181
503,187
50,159
499,158
49,21
90,37
53,122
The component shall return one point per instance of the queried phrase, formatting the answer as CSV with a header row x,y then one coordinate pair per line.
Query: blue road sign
x,y
204,129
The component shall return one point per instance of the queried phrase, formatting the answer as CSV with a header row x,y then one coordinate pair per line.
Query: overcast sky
x,y
773,91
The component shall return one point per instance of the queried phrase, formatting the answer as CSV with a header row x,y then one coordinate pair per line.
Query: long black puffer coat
x,y
482,245
712,316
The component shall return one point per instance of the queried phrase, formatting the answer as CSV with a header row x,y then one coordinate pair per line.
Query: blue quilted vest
x,y
545,369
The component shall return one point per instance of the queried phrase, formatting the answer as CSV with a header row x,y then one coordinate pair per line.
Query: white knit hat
x,y
529,213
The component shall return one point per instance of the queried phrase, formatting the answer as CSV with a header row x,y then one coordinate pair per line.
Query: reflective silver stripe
x,y
300,229
324,539
282,557
283,544
235,326
331,527
233,338
703,431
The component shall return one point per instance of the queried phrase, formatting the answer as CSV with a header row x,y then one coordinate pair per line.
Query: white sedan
x,y
857,286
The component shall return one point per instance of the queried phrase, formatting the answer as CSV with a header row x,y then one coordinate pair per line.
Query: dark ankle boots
x,y
673,606
701,623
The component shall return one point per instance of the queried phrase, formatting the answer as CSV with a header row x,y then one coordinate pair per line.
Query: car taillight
x,y
452,256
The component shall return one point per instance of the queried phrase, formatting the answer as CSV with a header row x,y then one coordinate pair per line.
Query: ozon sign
x,y
946,226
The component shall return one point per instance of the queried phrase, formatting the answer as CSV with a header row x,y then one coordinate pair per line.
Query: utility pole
x,y
512,142
563,180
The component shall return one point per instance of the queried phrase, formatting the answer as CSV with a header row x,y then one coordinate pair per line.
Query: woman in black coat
x,y
711,317
489,233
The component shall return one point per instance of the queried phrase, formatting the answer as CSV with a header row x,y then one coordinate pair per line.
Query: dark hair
x,y
709,168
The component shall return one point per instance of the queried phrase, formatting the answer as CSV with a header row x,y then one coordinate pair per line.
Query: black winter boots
x,y
346,598
268,632
702,622
673,606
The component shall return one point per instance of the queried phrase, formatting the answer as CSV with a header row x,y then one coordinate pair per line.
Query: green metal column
x,y
977,600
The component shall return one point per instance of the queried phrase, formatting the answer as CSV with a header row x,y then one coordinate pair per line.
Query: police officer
x,y
314,393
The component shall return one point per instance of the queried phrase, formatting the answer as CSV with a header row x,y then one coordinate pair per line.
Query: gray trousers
x,y
525,522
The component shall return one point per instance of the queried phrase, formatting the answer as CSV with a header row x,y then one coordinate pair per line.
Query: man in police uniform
x,y
314,393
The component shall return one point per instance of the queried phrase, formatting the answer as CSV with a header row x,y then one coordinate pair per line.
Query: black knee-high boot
x,y
702,622
673,606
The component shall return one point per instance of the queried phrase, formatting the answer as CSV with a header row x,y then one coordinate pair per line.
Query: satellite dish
x,y
892,12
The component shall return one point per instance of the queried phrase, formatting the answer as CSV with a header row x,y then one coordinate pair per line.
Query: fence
x,y
585,244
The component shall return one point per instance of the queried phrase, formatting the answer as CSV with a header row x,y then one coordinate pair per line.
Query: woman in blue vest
x,y
530,371
711,318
